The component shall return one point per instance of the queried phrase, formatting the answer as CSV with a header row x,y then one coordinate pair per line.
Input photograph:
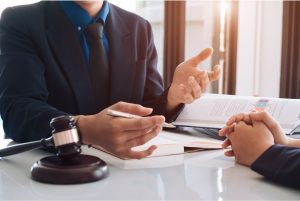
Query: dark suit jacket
x,y
280,164
43,73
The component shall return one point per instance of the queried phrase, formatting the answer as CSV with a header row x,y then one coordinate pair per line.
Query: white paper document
x,y
213,110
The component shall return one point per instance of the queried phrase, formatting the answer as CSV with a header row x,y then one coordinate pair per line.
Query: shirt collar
x,y
79,17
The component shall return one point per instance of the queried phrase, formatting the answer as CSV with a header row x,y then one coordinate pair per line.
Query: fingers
x,y
239,117
127,152
142,139
240,124
139,155
123,147
226,130
238,128
204,54
260,125
215,74
195,88
232,121
132,108
272,125
226,143
123,124
138,133
204,80
229,153
186,96
188,92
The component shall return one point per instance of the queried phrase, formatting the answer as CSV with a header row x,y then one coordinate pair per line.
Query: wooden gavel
x,y
68,166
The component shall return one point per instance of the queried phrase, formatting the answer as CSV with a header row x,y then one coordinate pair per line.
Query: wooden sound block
x,y
81,169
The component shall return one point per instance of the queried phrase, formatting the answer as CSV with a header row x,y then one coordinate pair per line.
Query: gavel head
x,y
65,137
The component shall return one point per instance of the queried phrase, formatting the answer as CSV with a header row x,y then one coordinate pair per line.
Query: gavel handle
x,y
19,148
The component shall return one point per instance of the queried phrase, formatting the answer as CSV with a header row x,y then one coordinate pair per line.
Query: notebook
x,y
169,143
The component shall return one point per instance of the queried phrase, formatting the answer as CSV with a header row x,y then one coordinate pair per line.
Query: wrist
x,y
83,128
76,118
172,103
260,150
292,142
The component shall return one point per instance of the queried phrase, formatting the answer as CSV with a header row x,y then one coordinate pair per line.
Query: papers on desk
x,y
213,110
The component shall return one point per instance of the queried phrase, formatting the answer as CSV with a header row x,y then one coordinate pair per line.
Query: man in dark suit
x,y
258,141
80,58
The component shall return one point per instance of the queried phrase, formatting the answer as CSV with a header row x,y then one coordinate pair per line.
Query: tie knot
x,y
94,31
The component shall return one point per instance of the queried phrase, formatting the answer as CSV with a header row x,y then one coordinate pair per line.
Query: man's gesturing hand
x,y
189,81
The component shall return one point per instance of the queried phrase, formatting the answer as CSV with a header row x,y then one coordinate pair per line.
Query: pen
x,y
115,113
294,130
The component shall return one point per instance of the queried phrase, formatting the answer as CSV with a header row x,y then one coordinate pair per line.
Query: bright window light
x,y
129,5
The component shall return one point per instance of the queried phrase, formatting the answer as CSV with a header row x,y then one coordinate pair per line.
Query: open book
x,y
213,110
169,143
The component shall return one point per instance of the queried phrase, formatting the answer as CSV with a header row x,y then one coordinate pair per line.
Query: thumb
x,y
268,120
257,123
204,54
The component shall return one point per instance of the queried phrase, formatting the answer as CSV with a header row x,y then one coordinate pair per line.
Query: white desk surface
x,y
206,175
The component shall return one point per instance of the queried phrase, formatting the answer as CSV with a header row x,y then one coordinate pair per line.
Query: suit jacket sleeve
x,y
155,96
280,164
23,89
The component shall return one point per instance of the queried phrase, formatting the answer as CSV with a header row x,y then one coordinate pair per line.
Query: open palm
x,y
189,81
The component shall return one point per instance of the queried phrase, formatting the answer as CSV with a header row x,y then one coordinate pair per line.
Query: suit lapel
x,y
121,58
69,53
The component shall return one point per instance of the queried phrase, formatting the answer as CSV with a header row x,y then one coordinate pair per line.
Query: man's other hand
x,y
118,135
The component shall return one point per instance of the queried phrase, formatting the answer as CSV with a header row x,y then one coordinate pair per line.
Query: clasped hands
x,y
119,135
249,135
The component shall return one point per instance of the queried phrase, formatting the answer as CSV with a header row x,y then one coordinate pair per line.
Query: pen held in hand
x,y
115,113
